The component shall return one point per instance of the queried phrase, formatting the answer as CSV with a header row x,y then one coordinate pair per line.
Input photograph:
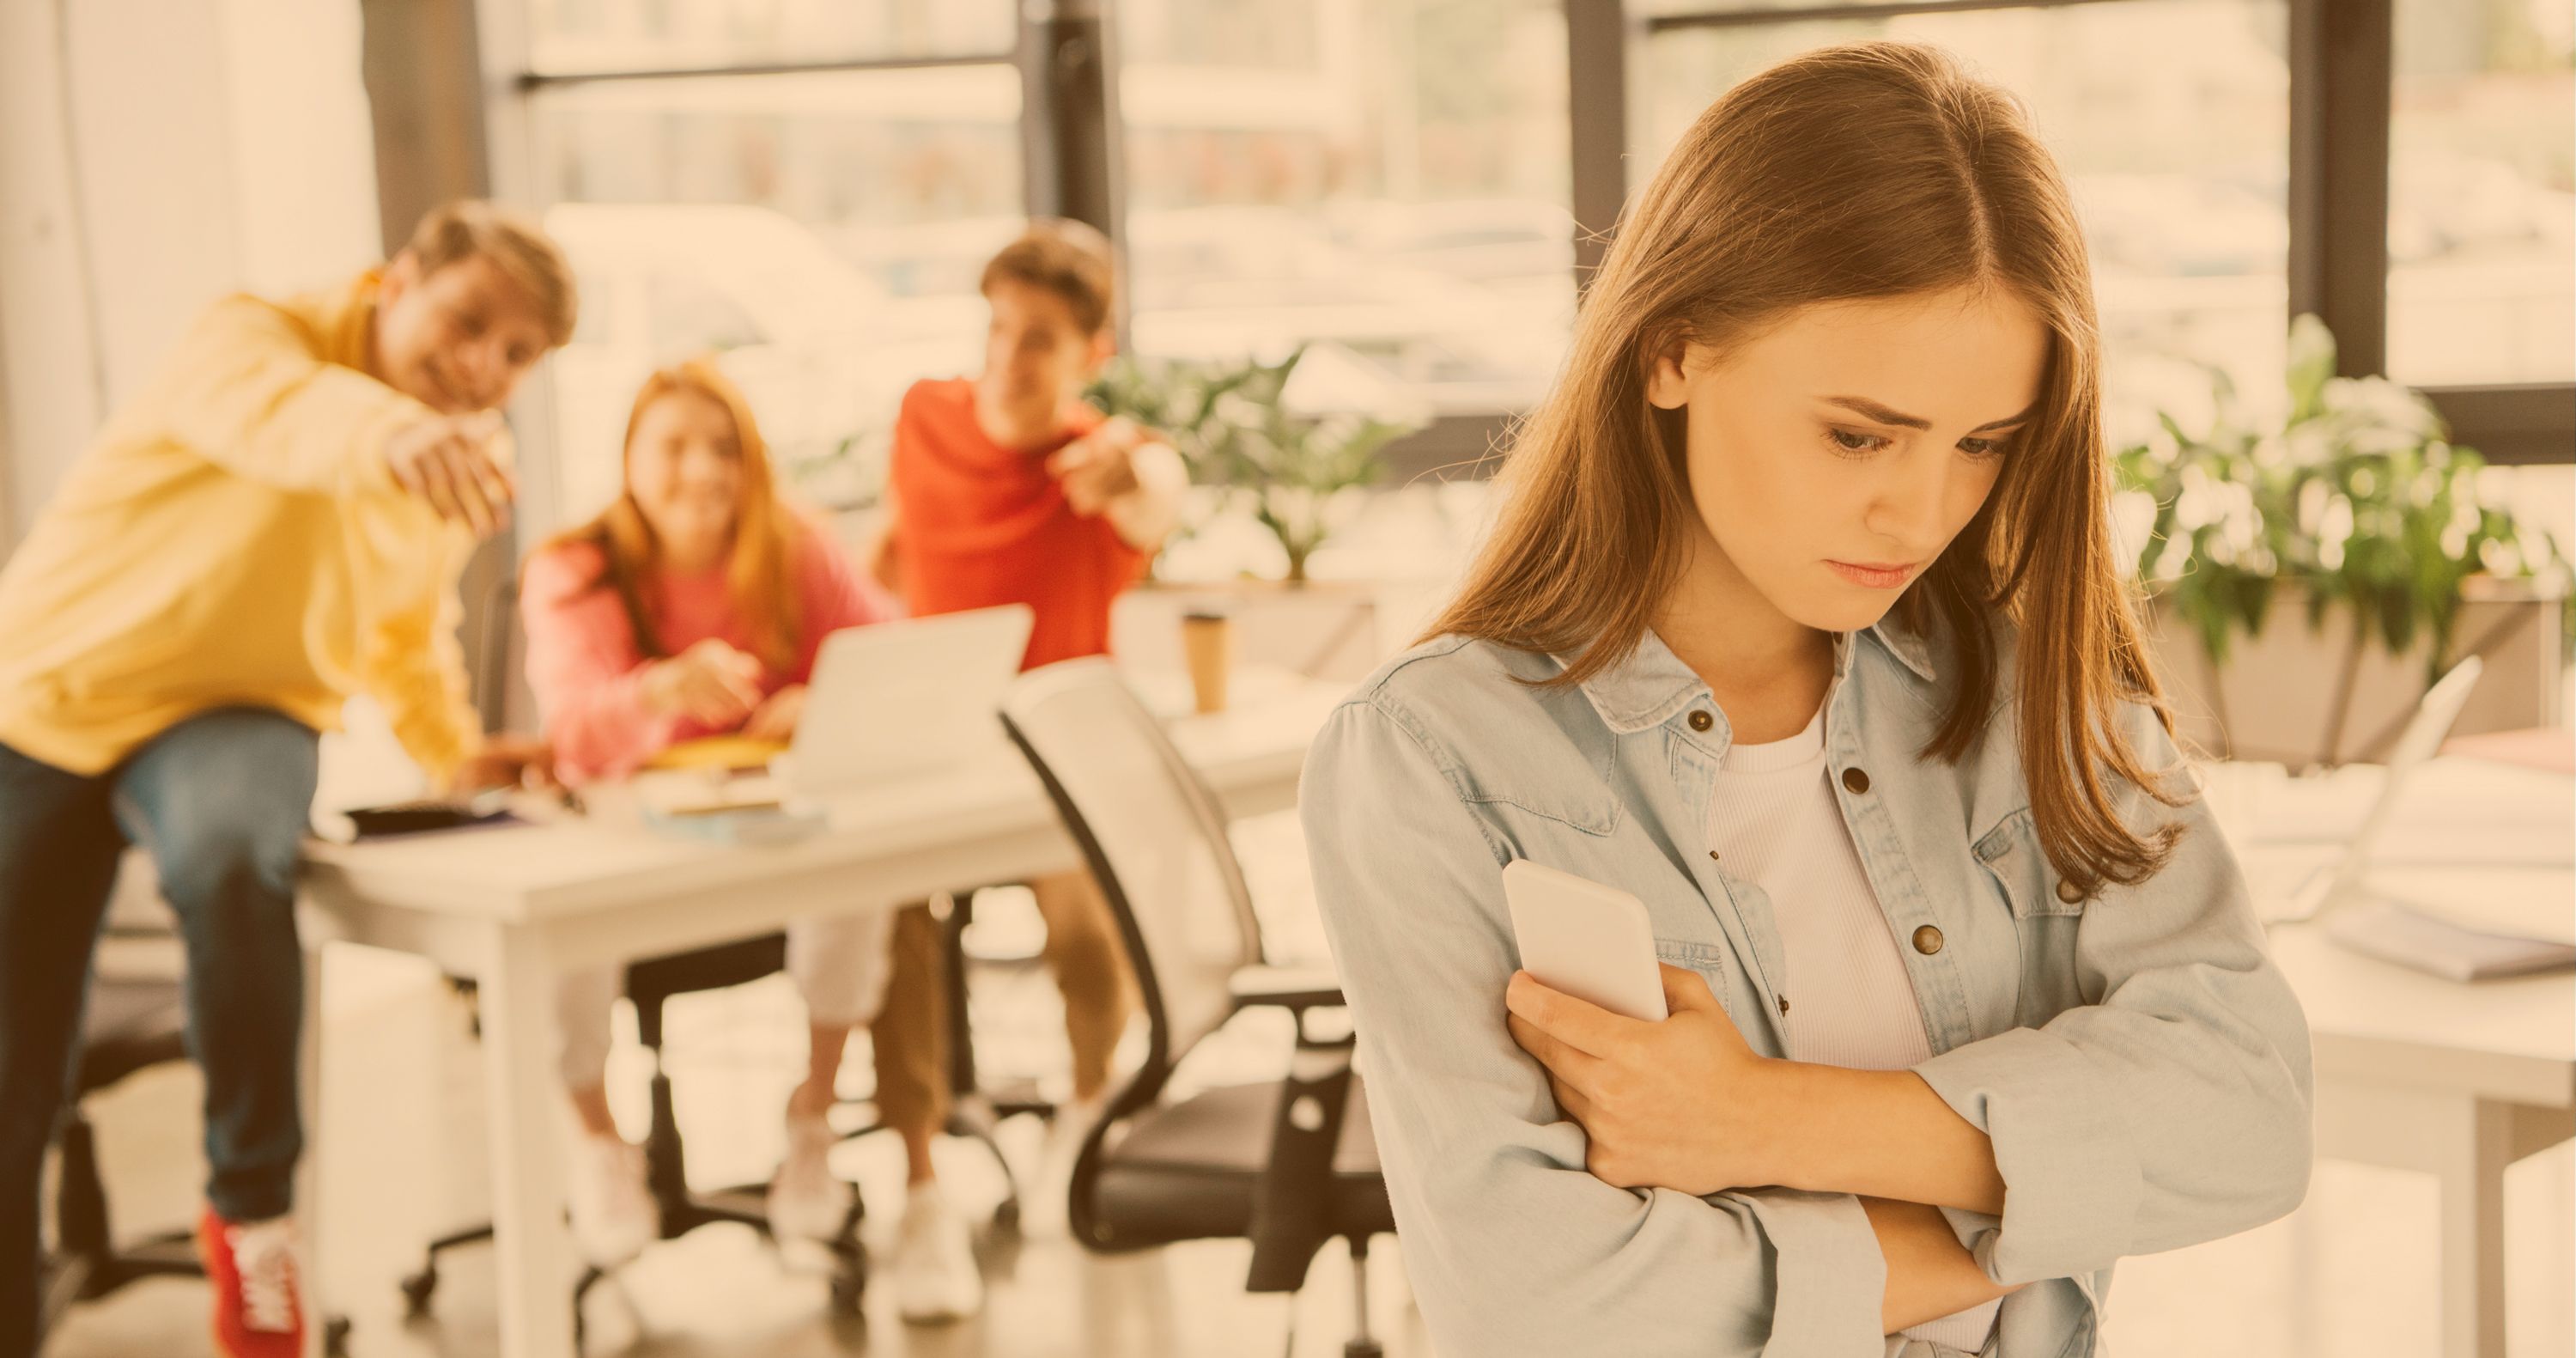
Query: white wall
x,y
45,333
155,154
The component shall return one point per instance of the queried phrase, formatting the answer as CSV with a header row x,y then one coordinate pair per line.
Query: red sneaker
x,y
258,1312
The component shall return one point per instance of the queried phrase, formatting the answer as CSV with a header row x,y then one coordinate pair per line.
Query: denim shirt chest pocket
x,y
2044,916
1684,925
1578,825
1711,960
1554,827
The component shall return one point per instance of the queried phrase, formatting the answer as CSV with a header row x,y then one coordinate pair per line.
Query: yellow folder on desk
x,y
719,752
719,788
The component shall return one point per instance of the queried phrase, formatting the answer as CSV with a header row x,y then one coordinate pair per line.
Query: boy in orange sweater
x,y
1008,488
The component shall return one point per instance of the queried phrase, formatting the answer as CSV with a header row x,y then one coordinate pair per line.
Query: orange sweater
x,y
981,525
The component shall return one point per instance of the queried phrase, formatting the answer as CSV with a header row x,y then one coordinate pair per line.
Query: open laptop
x,y
901,699
887,702
2477,924
2317,888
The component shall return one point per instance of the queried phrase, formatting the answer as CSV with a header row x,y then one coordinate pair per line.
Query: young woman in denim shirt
x,y
1826,464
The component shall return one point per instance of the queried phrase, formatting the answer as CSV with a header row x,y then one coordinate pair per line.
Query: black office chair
x,y
1286,1165
135,1018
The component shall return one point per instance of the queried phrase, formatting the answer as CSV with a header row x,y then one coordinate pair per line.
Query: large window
x,y
1382,181
2170,119
2482,193
1404,187
2235,161
568,36
806,190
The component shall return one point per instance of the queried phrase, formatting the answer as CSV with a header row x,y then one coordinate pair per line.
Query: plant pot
x,y
2276,695
1328,629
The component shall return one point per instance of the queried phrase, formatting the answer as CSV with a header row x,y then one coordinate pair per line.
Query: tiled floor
x,y
2348,1276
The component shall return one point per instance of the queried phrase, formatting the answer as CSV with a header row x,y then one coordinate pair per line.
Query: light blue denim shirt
x,y
2141,1066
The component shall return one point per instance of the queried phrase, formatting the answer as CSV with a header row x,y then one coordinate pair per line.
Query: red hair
x,y
764,533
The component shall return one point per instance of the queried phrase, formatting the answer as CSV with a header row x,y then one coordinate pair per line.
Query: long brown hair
x,y
1861,171
763,532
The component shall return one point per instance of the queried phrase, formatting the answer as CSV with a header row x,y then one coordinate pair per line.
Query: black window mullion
x,y
1070,124
2511,424
1041,182
2342,69
1596,59
536,80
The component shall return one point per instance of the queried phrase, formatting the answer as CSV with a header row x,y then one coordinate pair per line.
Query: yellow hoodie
x,y
233,538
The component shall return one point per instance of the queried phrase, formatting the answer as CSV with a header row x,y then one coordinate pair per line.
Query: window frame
x,y
452,85
2342,77
1054,47
450,82
2342,56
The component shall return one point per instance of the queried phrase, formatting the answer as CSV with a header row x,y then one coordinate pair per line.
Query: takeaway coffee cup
x,y
1207,640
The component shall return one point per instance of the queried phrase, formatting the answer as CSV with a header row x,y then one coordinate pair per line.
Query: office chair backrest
x,y
1154,838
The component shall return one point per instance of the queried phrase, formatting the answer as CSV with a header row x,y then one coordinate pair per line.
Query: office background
x,y
1410,190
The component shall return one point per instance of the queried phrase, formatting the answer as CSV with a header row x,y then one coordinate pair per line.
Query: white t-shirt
x,y
1773,821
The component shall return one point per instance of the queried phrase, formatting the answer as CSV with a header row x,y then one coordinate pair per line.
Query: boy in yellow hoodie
x,y
276,523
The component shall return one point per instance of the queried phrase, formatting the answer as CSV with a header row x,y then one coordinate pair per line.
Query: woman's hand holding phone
x,y
1679,1104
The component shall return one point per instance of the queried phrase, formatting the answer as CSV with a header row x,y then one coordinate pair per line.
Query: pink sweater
x,y
588,672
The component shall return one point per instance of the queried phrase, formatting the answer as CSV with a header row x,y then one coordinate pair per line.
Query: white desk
x,y
514,906
2455,1080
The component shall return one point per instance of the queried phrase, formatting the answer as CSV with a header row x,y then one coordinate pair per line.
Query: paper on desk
x,y
685,792
2537,904
2401,934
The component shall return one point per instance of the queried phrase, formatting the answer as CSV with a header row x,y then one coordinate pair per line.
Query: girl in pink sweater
x,y
693,606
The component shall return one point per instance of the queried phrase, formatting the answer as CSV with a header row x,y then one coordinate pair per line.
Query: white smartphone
x,y
1591,941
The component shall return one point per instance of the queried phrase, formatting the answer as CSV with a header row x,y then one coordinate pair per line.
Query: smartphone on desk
x,y
1591,941
428,813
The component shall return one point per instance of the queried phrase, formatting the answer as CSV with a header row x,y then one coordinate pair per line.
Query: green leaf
x,y
2261,499
2397,618
2312,362
2253,600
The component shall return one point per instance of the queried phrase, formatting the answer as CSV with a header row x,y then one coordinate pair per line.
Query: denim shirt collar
x,y
1650,684
1901,642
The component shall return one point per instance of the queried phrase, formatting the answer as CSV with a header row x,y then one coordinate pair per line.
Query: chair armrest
x,y
1296,989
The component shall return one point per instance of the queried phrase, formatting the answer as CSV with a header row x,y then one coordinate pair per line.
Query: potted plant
x,y
1297,474
2352,500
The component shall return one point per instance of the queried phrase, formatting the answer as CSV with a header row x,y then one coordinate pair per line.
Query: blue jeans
x,y
221,802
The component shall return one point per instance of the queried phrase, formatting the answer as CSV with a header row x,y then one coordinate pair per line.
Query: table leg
x,y
533,1248
2307,1283
2474,1146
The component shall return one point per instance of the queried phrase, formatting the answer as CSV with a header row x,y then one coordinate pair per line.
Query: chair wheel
x,y
335,1337
417,1290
